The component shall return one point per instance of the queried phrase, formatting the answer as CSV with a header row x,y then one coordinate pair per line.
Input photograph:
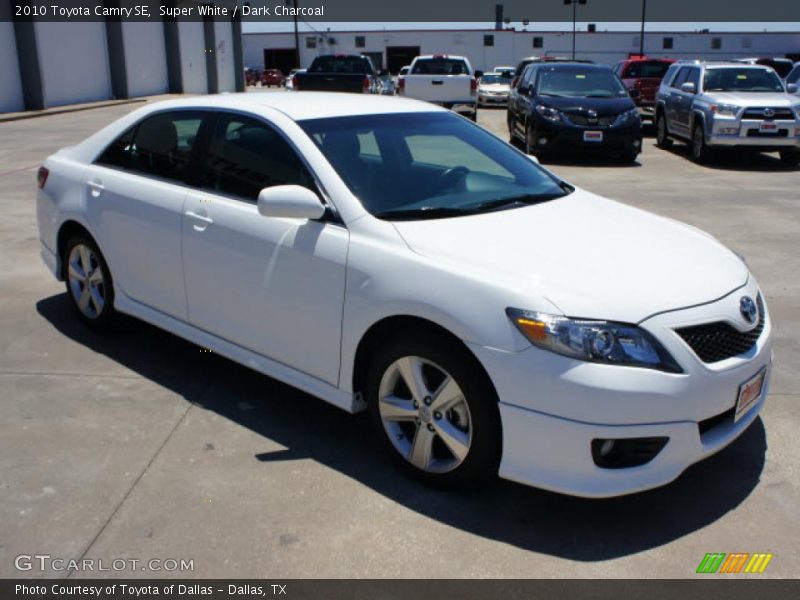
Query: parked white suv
x,y
480,307
445,80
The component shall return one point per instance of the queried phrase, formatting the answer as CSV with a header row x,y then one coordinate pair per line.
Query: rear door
x,y
136,192
272,285
683,109
674,101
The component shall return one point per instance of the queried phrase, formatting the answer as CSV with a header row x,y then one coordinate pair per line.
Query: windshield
x,y
429,165
794,76
745,79
655,69
490,79
584,83
440,66
338,64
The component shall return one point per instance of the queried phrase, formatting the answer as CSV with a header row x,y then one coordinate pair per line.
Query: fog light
x,y
606,447
542,141
728,130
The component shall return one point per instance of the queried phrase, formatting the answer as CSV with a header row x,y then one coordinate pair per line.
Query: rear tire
x,y
662,135
790,158
88,282
442,427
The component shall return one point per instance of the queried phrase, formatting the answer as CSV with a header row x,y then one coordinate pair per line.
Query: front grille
x,y
713,342
778,133
778,113
584,121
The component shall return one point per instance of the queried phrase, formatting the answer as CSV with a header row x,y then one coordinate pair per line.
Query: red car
x,y
272,77
643,75
252,76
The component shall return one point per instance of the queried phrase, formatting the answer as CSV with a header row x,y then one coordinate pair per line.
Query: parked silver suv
x,y
714,105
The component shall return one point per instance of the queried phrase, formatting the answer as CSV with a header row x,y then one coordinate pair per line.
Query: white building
x,y
487,48
45,64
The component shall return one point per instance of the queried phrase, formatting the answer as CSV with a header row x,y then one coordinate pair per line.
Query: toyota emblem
x,y
748,309
769,113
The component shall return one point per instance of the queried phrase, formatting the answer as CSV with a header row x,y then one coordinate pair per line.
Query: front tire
x,y
88,281
790,158
435,409
700,151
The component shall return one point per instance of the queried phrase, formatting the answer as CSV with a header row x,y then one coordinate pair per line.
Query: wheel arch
x,y
70,228
397,325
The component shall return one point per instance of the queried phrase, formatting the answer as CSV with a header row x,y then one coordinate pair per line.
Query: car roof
x,y
571,66
300,106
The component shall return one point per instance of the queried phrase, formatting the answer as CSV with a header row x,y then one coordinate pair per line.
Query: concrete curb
x,y
33,114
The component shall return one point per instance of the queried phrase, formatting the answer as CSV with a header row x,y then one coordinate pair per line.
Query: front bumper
x,y
493,99
562,136
730,131
552,408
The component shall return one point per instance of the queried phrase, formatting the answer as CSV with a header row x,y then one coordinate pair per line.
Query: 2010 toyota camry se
x,y
385,254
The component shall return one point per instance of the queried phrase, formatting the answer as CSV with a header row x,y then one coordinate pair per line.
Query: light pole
x,y
641,37
574,4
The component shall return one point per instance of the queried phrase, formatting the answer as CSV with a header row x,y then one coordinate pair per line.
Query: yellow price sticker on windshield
x,y
741,77
580,76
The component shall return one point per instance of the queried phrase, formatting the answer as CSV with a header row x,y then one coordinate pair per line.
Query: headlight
x,y
796,109
551,114
725,110
594,341
627,116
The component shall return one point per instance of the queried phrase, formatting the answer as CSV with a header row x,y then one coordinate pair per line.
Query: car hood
x,y
752,98
589,256
602,106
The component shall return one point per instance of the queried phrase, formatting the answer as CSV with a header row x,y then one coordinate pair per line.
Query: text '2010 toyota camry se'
x,y
386,254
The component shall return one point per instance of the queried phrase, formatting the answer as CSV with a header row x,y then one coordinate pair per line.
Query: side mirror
x,y
289,202
791,88
478,74
634,94
688,87
533,158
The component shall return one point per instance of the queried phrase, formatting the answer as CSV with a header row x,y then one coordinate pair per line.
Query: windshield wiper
x,y
425,212
525,200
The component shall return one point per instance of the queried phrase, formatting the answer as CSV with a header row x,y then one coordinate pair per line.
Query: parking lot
x,y
139,445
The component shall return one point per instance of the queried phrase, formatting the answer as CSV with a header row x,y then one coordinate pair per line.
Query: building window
x,y
716,43
667,43
311,42
488,40
538,42
361,41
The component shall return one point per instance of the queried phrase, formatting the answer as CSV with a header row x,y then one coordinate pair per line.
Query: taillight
x,y
41,177
514,82
296,82
365,84
473,85
401,84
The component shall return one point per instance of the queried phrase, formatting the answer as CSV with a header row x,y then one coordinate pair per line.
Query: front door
x,y
272,285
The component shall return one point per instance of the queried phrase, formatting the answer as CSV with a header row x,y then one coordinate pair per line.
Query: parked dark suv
x,y
571,105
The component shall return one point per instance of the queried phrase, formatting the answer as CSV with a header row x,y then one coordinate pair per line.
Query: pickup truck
x,y
338,73
445,80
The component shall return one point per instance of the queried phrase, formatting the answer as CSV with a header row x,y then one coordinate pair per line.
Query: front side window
x,y
794,75
161,145
245,156
744,79
438,164
580,83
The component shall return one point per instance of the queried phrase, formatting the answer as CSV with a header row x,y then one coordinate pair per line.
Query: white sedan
x,y
385,254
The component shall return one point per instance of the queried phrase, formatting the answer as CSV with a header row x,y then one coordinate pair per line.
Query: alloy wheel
x,y
86,281
425,414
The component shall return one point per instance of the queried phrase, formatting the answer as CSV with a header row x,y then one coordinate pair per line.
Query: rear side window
x,y
245,156
161,145
339,64
440,66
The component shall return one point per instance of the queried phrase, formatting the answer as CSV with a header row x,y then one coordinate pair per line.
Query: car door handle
x,y
437,82
203,221
95,187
